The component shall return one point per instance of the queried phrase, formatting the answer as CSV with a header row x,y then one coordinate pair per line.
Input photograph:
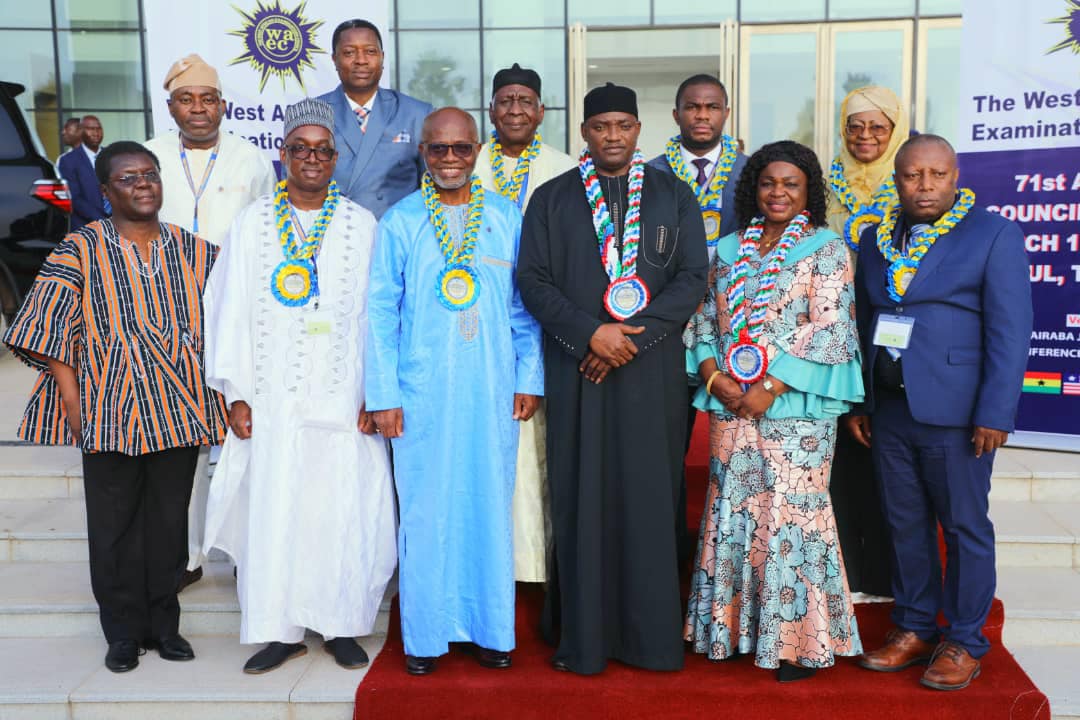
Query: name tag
x,y
893,331
319,322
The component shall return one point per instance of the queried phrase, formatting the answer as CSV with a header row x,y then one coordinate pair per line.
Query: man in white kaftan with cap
x,y
302,497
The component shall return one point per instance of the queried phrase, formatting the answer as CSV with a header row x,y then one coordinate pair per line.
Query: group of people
x,y
409,286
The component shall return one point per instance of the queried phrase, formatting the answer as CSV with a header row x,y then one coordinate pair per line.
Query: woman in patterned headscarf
x,y
873,125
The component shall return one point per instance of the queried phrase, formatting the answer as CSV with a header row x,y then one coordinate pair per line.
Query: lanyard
x,y
202,185
302,236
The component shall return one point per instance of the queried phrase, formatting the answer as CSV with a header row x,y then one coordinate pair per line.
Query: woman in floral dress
x,y
775,347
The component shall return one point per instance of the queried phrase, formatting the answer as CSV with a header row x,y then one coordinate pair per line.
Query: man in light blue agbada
x,y
454,361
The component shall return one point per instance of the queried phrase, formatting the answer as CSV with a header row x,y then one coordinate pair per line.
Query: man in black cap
x,y
616,389
514,162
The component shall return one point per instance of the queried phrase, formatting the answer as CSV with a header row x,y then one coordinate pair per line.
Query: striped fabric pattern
x,y
134,333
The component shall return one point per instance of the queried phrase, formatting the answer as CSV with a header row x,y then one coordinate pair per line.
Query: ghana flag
x,y
1042,382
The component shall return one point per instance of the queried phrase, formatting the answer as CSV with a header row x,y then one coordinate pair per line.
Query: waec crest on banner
x,y
278,42
1071,21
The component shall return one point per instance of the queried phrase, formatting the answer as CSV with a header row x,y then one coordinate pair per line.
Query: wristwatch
x,y
770,387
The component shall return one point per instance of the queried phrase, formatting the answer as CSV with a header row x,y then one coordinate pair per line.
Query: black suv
x,y
34,204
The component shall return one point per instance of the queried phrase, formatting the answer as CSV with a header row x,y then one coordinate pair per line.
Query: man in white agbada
x,y
207,178
302,497
514,162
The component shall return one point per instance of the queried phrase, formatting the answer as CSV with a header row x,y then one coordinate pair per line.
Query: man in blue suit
x,y
377,131
944,311
710,163
77,167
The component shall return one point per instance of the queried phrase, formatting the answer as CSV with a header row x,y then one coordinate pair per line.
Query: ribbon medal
x,y
627,294
746,360
457,285
708,196
295,280
860,216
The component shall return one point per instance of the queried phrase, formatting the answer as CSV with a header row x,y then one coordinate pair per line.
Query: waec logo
x,y
278,42
1071,21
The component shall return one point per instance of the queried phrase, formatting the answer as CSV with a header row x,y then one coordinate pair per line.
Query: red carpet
x,y
702,690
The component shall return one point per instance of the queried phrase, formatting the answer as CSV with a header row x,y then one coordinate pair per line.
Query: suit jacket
x,y
379,167
87,205
728,222
971,301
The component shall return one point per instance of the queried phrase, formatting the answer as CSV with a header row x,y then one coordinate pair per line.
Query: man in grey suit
x,y
377,131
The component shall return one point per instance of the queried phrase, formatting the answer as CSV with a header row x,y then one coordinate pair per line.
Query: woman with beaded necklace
x,y
775,348
873,126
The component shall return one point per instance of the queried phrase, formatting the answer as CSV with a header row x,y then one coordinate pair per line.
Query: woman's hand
x,y
726,390
754,403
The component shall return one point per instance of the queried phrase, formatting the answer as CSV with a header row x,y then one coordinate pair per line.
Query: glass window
x,y
787,11
44,125
24,13
942,88
866,9
542,50
121,125
100,69
442,68
438,14
90,14
695,12
11,143
609,12
939,7
865,57
27,59
781,90
523,13
554,131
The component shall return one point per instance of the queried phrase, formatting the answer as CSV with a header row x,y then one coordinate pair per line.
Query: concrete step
x,y
33,471
54,599
1036,534
1056,671
1038,475
1042,606
65,678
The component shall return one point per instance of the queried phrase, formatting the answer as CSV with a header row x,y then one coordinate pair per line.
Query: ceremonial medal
x,y
458,285
746,361
859,215
295,280
291,282
627,294
626,297
712,225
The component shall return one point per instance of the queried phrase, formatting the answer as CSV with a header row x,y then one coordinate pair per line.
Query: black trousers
x,y
136,518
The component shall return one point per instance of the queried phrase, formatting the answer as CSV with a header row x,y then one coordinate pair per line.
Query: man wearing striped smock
x,y
113,324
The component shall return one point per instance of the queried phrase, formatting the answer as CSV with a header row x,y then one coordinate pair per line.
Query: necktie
x,y
701,164
362,114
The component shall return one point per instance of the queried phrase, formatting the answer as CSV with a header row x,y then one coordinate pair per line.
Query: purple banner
x,y
1040,190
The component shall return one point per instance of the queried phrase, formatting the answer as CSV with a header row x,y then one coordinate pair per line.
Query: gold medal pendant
x,y
712,225
291,282
458,287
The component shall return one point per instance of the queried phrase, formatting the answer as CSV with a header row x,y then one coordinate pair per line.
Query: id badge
x,y
318,323
893,331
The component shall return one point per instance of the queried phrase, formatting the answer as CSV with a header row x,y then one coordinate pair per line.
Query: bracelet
x,y
708,384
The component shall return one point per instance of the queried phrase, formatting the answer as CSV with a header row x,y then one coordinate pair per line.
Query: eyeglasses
x,y
525,102
303,152
152,177
461,150
878,131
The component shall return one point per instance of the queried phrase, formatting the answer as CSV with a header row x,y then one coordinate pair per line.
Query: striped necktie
x,y
362,115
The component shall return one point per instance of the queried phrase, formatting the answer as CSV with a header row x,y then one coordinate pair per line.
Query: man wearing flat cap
x,y
612,265
514,162
302,498
207,178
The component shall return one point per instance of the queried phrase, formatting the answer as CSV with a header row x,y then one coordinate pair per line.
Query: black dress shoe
x,y
174,647
347,653
190,577
560,666
123,655
416,665
494,659
789,672
273,655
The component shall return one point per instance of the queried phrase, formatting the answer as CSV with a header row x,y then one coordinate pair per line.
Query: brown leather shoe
x,y
902,649
952,668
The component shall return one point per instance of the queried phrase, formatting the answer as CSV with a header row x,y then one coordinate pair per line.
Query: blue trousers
x,y
927,475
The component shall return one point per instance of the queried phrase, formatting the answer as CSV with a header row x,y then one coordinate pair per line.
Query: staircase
x,y
51,649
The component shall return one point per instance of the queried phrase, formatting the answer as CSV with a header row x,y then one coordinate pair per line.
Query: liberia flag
x,y
1071,386
1042,382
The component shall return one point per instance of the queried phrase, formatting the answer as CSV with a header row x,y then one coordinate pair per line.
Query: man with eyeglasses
x,y
513,163
378,129
302,498
453,364
208,177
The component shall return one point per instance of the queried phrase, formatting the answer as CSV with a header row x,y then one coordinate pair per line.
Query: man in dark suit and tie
x,y
377,131
944,311
77,167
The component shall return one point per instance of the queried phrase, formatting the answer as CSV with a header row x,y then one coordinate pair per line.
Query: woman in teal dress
x,y
775,347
